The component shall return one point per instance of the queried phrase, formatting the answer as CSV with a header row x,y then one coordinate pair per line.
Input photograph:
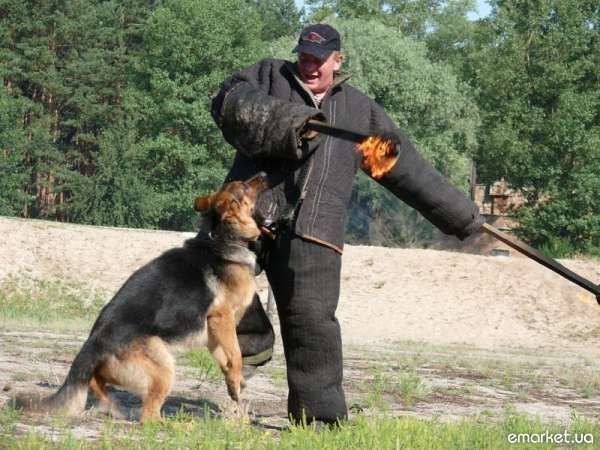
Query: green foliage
x,y
116,194
66,61
419,19
279,18
104,113
202,361
14,173
188,49
404,386
186,431
539,90
452,34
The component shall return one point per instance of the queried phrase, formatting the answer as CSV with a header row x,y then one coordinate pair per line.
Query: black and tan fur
x,y
198,292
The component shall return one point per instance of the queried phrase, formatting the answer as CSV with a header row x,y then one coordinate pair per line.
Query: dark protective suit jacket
x,y
261,111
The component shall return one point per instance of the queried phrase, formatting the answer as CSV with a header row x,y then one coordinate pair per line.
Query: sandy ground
x,y
387,294
482,334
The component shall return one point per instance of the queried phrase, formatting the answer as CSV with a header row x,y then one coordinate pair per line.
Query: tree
x,y
116,195
14,172
187,49
452,36
67,59
418,19
102,85
539,90
279,18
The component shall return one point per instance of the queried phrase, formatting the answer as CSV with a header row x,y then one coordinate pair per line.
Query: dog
x,y
193,295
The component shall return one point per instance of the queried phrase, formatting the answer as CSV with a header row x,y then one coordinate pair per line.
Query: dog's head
x,y
232,209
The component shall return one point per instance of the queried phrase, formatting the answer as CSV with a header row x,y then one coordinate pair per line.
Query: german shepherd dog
x,y
191,295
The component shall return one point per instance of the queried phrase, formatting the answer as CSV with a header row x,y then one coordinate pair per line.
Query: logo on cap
x,y
314,37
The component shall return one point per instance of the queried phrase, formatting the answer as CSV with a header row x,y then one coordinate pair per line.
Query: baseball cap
x,y
318,40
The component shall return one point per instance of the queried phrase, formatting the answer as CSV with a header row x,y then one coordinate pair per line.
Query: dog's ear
x,y
258,182
225,205
203,203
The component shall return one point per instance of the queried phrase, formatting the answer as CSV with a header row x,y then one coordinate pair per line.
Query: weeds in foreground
x,y
203,364
186,431
404,386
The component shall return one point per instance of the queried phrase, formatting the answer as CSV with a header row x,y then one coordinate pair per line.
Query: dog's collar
x,y
238,242
236,253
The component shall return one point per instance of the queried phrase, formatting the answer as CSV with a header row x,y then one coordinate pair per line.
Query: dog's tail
x,y
71,398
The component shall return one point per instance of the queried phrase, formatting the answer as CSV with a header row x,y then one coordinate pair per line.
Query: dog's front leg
x,y
223,344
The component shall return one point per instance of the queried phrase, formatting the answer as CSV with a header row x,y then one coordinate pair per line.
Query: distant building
x,y
497,203
498,199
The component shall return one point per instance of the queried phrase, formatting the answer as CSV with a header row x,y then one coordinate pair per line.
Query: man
x,y
262,111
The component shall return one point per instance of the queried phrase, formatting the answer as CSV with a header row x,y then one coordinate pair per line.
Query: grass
x,y
20,376
406,387
581,375
558,248
29,301
203,364
278,375
585,380
185,431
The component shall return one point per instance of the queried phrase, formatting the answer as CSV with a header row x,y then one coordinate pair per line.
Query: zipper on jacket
x,y
291,67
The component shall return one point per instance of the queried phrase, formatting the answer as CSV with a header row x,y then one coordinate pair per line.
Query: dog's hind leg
x,y
146,369
160,367
224,346
107,405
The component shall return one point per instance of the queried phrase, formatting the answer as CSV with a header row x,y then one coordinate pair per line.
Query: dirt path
x,y
443,382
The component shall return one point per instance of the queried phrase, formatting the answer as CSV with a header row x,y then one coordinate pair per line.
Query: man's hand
x,y
308,133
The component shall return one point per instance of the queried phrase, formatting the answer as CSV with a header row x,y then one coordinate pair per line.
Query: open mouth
x,y
309,78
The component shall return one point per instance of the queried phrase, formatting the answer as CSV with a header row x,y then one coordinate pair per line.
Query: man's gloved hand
x,y
473,227
307,133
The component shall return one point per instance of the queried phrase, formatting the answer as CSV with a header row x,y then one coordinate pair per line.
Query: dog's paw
x,y
234,390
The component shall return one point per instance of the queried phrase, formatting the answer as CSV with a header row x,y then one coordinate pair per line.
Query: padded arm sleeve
x,y
257,124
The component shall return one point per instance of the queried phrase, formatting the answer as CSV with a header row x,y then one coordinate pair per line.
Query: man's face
x,y
317,74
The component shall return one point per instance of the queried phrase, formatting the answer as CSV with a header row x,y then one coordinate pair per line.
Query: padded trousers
x,y
305,278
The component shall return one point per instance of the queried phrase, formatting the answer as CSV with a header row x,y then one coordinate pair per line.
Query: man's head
x,y
319,56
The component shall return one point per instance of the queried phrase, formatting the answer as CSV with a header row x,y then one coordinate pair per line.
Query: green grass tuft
x,y
404,386
204,364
